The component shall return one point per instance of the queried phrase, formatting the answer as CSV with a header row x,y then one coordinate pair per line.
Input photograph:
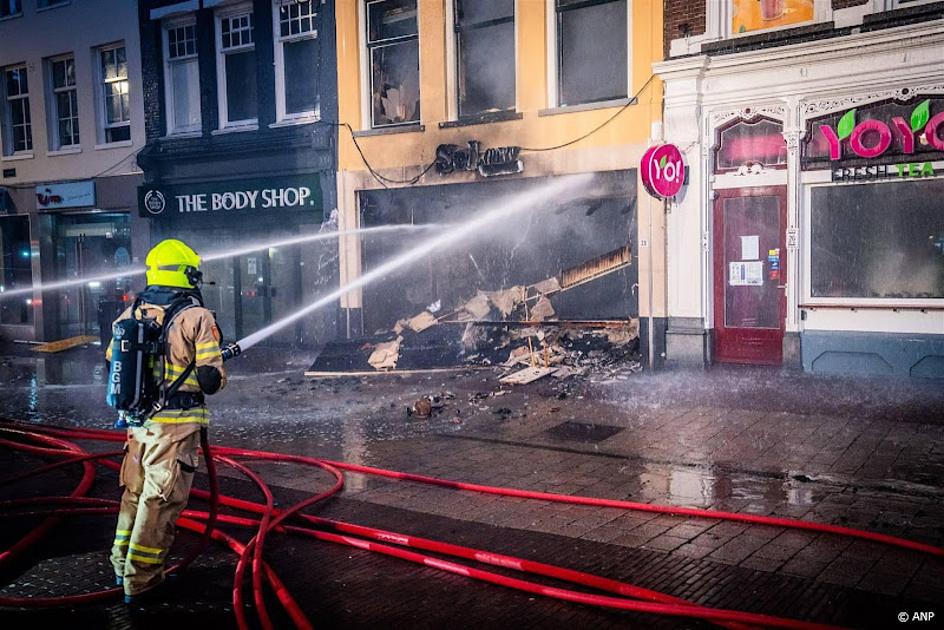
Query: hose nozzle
x,y
230,351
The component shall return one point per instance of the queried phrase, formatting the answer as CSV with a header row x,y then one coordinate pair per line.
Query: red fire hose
x,y
371,539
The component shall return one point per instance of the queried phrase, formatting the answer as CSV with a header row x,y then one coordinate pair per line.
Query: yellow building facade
x,y
401,155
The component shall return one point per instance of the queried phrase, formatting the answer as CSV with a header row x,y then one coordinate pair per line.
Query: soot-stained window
x,y
882,240
591,50
394,53
485,52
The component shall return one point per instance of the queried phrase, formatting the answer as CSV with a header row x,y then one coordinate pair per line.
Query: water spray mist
x,y
513,206
214,255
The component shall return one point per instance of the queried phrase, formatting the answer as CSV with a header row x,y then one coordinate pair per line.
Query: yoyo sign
x,y
872,137
663,170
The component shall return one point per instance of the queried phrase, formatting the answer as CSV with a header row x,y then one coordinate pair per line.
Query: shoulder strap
x,y
174,309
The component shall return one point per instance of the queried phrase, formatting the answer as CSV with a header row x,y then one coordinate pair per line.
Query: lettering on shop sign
x,y
244,200
209,199
881,132
495,161
882,171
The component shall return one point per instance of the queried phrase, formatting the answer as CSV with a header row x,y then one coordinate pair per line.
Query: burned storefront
x,y
567,269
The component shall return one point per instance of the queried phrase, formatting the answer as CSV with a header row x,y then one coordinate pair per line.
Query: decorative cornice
x,y
775,111
820,107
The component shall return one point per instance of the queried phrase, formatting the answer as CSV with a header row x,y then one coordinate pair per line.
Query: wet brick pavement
x,y
852,452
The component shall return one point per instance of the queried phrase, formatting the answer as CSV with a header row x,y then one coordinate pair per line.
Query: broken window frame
x,y
562,7
373,47
459,30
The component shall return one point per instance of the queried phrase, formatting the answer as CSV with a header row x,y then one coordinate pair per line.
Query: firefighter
x,y
161,455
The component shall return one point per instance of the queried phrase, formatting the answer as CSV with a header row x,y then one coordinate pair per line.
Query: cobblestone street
x,y
847,452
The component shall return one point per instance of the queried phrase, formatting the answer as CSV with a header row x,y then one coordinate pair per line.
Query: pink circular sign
x,y
663,170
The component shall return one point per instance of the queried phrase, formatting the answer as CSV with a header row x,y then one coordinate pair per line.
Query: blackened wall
x,y
540,242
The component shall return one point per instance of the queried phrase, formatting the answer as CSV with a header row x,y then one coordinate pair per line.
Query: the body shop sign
x,y
249,197
888,132
662,170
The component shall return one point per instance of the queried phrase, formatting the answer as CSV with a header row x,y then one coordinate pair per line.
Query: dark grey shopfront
x,y
247,231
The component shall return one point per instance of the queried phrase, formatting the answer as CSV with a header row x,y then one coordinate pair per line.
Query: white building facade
x,y
71,124
811,229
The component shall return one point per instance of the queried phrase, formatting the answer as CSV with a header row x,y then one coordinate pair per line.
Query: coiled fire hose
x,y
51,441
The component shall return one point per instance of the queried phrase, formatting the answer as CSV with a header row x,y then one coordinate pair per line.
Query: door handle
x,y
781,286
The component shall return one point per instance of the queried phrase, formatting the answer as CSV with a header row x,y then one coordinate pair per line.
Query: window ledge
x,y
586,107
64,151
384,131
926,304
52,6
234,129
114,145
482,119
11,17
180,135
25,155
295,122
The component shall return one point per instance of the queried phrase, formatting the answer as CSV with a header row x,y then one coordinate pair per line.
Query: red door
x,y
749,274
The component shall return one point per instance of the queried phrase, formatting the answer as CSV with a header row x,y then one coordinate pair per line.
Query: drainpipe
x,y
652,352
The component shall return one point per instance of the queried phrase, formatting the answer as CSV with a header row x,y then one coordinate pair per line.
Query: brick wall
x,y
683,17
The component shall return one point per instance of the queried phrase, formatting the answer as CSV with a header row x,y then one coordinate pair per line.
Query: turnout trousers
x,y
156,473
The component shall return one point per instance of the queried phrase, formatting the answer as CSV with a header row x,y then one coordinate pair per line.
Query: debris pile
x,y
516,330
561,351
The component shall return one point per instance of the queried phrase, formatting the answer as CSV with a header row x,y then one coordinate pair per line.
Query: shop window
x,y
592,45
297,59
9,8
65,127
182,77
748,16
393,51
236,69
116,98
746,144
16,271
17,127
485,52
880,240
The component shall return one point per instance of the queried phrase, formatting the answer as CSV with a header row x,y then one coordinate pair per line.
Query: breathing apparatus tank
x,y
132,386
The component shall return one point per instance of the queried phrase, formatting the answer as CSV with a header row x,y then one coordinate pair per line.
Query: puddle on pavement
x,y
42,371
706,486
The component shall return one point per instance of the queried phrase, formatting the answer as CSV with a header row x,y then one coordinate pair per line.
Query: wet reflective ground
x,y
865,453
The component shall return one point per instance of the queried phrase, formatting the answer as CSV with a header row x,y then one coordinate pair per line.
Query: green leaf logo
x,y
846,124
662,162
920,116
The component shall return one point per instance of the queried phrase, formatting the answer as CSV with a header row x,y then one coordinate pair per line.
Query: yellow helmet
x,y
172,263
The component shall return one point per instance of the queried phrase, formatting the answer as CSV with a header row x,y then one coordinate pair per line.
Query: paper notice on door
x,y
749,273
750,247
